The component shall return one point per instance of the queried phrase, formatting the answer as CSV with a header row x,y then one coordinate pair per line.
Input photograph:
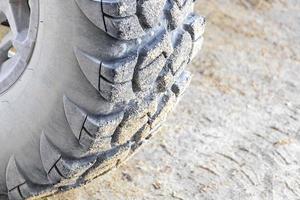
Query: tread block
x,y
103,125
99,131
91,130
195,25
15,194
165,106
180,3
160,45
76,117
176,14
119,71
150,11
182,49
126,28
13,176
111,79
134,119
74,168
114,17
49,154
100,144
123,19
182,83
116,154
55,176
131,128
142,134
86,139
93,11
119,8
90,66
59,168
165,80
14,180
116,92
27,190
17,185
109,159
144,78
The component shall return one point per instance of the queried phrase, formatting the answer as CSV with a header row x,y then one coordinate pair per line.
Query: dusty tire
x,y
102,78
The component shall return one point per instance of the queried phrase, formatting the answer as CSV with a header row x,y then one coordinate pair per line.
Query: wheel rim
x,y
21,20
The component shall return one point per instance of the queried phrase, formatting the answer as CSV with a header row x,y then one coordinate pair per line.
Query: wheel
x,y
84,83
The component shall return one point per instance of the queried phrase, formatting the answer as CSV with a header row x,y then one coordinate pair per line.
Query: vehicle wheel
x,y
85,83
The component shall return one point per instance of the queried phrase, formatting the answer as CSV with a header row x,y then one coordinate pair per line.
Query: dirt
x,y
235,134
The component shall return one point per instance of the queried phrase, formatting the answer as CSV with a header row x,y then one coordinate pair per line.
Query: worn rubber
x,y
137,89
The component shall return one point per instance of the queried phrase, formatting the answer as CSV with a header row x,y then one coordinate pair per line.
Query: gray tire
x,y
100,81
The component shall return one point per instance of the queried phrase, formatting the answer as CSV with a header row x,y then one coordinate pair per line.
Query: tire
x,y
101,79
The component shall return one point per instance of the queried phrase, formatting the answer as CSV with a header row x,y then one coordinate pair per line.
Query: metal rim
x,y
22,18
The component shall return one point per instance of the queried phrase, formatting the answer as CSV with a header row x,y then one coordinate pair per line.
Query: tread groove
x,y
58,171
99,80
103,16
54,165
92,136
20,192
82,127
17,186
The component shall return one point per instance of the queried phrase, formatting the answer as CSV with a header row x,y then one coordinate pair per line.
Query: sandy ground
x,y
235,135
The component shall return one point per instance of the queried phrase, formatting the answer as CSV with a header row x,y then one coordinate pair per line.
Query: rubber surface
x,y
124,74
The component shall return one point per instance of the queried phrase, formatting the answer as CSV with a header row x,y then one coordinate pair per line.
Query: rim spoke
x,y
2,17
19,32
17,13
5,45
